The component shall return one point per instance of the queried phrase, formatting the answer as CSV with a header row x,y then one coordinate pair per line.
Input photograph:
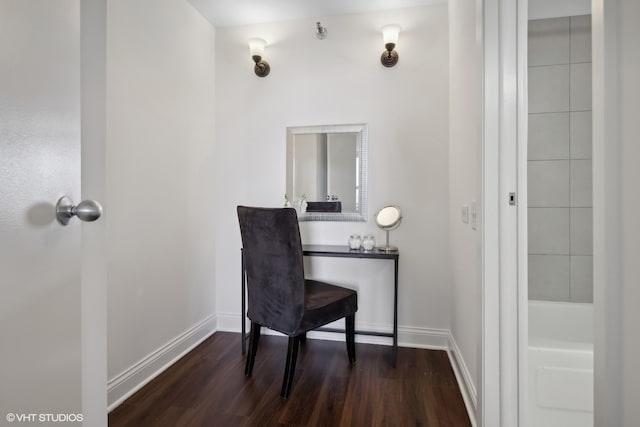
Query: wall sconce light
x,y
256,47
390,34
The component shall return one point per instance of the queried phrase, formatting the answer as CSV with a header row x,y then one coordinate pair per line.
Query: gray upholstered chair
x,y
279,296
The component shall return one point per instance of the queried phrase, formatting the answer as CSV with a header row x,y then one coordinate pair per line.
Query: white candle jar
x,y
354,242
368,243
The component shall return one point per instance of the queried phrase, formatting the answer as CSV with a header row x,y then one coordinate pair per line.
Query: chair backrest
x,y
272,252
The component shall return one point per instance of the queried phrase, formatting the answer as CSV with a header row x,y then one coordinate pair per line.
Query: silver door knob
x,y
87,210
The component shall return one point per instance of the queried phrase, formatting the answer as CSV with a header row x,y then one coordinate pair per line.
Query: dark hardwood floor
x,y
208,388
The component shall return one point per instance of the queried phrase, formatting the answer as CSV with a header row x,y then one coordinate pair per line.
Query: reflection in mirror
x,y
327,167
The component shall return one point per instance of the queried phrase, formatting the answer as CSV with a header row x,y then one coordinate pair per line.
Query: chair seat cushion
x,y
325,303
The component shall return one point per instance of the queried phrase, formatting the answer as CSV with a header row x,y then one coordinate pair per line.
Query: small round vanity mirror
x,y
388,218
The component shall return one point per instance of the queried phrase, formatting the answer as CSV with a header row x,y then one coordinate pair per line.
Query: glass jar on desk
x,y
355,242
368,242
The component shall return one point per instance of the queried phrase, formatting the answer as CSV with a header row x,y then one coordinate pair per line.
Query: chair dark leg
x,y
303,338
350,323
290,368
253,348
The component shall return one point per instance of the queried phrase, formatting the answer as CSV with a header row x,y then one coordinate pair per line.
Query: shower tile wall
x,y
559,160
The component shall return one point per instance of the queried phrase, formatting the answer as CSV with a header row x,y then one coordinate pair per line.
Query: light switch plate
x,y
464,213
474,216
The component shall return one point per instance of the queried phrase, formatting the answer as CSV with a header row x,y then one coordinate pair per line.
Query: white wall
x,y
630,154
616,65
465,179
340,80
159,207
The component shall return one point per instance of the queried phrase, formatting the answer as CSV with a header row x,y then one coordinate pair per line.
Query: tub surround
x,y
559,160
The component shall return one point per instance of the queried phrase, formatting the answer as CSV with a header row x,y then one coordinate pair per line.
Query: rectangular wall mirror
x,y
327,165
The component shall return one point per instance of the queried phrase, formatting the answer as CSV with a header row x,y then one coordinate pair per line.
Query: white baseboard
x,y
465,382
133,379
125,384
436,339
230,322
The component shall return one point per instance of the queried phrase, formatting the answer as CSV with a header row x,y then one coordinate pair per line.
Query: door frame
x,y
504,302
522,29
93,184
607,210
504,23
490,397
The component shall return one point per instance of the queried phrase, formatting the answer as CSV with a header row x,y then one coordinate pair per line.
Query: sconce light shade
x,y
256,48
390,34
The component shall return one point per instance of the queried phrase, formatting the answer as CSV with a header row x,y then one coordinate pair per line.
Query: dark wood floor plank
x,y
207,387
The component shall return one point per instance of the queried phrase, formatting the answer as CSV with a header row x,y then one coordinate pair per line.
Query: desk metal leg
x,y
395,314
243,313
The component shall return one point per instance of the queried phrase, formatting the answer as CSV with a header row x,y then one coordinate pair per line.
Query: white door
x,y
41,316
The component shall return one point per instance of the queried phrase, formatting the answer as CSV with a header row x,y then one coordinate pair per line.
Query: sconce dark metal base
x,y
389,59
262,69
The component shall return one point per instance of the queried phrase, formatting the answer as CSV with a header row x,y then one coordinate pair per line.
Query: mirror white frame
x,y
362,152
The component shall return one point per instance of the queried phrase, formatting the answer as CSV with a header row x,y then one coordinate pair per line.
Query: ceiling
x,y
228,13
